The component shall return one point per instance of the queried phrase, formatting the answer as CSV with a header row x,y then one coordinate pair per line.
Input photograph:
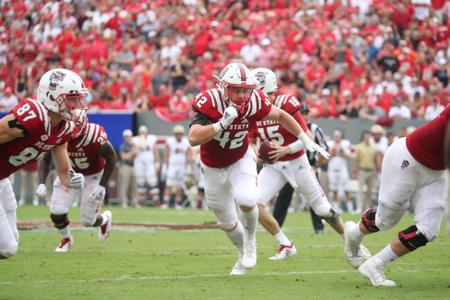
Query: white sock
x,y
249,221
282,238
386,255
356,233
65,232
104,219
236,235
350,206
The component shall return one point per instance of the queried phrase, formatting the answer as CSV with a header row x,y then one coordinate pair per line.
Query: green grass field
x,y
157,264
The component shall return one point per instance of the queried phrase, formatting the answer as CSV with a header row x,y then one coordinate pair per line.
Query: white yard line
x,y
126,277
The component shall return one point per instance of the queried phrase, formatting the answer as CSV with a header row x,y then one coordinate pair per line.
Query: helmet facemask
x,y
72,107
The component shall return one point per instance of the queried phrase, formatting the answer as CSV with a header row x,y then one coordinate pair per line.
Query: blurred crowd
x,y
379,60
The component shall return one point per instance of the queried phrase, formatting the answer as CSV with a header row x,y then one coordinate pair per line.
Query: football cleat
x,y
373,270
249,257
284,251
355,253
65,245
238,268
104,230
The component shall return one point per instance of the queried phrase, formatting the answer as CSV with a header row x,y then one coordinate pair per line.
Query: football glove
x,y
76,180
41,191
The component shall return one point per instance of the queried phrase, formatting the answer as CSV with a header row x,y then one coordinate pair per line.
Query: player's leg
x,y
61,201
177,187
394,197
152,182
34,179
428,205
133,190
90,207
23,187
124,183
316,222
221,202
282,203
168,198
333,186
343,182
309,187
242,176
9,235
270,181
139,171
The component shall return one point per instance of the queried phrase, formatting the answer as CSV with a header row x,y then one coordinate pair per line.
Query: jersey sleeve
x,y
291,105
102,137
298,117
202,104
32,117
264,105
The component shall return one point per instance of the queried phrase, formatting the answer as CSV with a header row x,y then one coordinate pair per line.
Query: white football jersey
x,y
338,160
145,148
381,145
177,150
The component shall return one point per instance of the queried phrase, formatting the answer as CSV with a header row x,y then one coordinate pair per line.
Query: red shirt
x,y
231,144
426,144
269,130
83,150
40,137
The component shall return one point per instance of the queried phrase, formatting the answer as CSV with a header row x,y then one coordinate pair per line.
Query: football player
x,y
224,116
291,166
31,129
338,176
93,156
413,174
177,162
146,163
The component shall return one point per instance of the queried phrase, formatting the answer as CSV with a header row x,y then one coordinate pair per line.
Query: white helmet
x,y
266,80
178,129
237,75
63,92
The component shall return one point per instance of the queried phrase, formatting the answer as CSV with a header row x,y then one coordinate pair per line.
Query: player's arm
x,y
202,129
447,146
43,170
288,122
62,164
109,154
44,167
10,129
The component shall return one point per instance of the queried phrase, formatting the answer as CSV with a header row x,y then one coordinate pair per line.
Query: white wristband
x,y
217,127
302,135
296,146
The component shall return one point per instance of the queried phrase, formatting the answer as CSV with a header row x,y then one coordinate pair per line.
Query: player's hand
x,y
313,147
41,191
76,180
229,115
97,194
278,152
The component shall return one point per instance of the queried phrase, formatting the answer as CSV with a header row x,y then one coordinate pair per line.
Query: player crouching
x,y
93,156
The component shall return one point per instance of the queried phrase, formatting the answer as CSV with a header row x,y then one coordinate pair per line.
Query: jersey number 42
x,y
233,142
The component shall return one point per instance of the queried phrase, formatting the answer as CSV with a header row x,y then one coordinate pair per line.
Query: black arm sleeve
x,y
201,119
